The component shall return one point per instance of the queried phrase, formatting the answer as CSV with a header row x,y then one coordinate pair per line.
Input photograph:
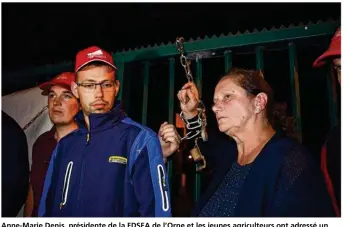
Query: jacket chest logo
x,y
117,159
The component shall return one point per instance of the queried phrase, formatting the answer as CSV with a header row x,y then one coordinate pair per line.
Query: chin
x,y
223,128
99,111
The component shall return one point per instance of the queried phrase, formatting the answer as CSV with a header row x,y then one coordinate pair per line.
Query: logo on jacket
x,y
117,159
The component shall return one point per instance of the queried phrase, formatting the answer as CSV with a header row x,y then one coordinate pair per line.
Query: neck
x,y
63,130
86,120
251,141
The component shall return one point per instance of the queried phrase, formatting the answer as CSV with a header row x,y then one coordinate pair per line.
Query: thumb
x,y
192,97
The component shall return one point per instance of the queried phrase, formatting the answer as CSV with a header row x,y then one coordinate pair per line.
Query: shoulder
x,y
45,136
142,133
285,152
11,127
294,158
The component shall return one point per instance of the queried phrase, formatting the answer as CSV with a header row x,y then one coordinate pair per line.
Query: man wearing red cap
x,y
62,107
111,166
331,151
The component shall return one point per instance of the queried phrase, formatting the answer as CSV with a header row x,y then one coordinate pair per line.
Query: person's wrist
x,y
190,115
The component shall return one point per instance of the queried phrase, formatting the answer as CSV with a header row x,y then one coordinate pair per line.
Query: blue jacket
x,y
114,170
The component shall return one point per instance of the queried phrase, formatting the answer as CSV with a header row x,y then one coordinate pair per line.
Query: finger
x,y
183,94
188,85
169,126
163,124
175,135
191,96
168,132
180,96
171,139
161,127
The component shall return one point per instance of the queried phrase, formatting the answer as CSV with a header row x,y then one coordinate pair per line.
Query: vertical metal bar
x,y
295,90
259,58
199,86
332,94
146,74
228,60
119,75
171,111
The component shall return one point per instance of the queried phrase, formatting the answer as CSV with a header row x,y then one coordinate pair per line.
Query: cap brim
x,y
94,60
322,59
45,87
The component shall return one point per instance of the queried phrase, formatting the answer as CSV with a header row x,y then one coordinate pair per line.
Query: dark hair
x,y
253,83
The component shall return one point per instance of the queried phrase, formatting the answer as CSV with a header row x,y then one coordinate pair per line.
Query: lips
x,y
219,117
56,111
99,104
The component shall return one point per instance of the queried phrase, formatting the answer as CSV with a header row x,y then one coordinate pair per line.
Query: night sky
x,y
35,34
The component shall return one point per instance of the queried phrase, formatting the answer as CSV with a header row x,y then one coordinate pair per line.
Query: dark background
x,y
36,34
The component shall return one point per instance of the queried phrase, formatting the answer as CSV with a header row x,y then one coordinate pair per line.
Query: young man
x,y
62,107
331,151
111,166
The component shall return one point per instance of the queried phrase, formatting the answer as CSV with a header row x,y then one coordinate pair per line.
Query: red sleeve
x,y
328,181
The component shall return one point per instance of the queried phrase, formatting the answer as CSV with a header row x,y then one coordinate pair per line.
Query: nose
x,y
98,93
57,102
217,107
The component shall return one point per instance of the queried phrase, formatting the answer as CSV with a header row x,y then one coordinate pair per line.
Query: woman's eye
x,y
227,97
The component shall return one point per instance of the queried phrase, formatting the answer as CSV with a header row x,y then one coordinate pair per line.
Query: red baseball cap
x,y
92,54
333,50
63,79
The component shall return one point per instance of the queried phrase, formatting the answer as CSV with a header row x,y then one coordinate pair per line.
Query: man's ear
x,y
74,89
117,87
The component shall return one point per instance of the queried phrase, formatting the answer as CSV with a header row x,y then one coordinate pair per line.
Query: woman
x,y
269,174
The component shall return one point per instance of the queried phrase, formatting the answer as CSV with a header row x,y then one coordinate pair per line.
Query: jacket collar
x,y
101,121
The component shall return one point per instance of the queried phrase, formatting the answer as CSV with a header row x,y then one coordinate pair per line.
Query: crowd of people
x,y
97,162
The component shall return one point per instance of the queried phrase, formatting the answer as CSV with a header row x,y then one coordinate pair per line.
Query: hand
x,y
189,100
169,138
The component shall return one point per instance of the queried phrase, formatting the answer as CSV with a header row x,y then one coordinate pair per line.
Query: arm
x,y
47,193
150,181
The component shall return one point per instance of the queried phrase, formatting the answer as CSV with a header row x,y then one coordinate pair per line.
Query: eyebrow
x,y
230,92
64,92
93,81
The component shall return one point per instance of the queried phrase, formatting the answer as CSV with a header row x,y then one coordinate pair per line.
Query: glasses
x,y
90,87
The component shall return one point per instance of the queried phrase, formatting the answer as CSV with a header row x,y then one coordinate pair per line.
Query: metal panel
x,y
171,111
119,75
295,90
146,74
198,81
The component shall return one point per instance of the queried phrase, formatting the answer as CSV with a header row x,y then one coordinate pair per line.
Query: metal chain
x,y
183,60
202,120
201,108
36,116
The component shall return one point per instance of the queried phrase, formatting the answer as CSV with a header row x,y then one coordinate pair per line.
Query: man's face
x,y
62,105
96,98
337,67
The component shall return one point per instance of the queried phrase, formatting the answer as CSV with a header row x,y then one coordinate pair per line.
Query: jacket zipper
x,y
88,136
66,184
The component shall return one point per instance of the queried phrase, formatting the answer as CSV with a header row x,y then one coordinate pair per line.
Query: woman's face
x,y
233,108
